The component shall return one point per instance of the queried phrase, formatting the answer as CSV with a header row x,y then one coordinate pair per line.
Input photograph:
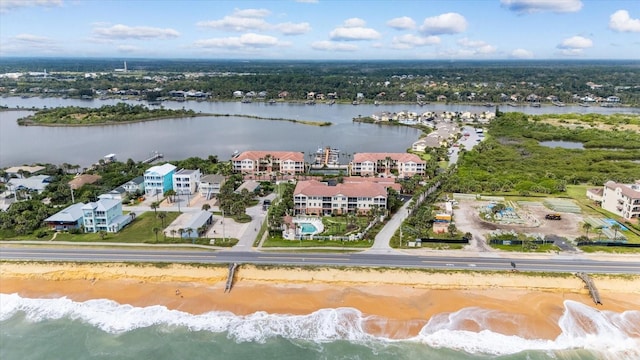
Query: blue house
x,y
66,219
104,215
158,179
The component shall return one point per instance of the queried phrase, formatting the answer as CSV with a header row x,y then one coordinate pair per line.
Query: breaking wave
x,y
609,334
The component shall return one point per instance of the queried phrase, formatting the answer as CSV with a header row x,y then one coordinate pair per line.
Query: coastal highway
x,y
364,259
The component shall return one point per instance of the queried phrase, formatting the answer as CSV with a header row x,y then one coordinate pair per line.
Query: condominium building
x,y
185,182
622,199
387,164
316,198
284,162
158,179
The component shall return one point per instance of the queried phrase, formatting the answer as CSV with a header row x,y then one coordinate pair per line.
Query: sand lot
x,y
468,219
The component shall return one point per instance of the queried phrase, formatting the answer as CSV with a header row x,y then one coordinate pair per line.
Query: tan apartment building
x,y
284,162
387,164
312,197
622,199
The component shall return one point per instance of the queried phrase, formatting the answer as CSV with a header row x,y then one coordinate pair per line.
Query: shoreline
x,y
394,303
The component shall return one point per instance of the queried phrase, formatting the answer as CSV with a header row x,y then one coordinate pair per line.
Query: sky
x,y
322,29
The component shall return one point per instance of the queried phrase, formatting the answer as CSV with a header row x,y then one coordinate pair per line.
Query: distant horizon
x,y
322,30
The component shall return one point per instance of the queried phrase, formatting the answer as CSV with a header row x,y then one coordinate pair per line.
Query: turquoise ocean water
x,y
103,329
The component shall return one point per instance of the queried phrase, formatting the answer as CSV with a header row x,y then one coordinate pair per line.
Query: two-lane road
x,y
328,259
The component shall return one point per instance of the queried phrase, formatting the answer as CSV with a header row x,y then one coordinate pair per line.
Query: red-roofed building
x,y
285,162
316,198
376,164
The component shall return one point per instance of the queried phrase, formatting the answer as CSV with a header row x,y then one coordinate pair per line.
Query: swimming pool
x,y
611,222
307,228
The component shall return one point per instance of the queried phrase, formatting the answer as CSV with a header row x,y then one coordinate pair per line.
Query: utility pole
x,y
73,201
224,237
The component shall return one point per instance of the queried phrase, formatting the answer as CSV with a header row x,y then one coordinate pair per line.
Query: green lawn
x,y
337,225
545,248
280,242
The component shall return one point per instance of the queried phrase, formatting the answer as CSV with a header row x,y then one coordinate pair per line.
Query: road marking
x,y
306,258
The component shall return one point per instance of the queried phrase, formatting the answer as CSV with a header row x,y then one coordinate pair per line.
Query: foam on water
x,y
612,335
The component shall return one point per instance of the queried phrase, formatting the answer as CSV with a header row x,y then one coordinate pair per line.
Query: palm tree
x,y
181,231
615,227
154,205
173,232
162,216
156,230
587,226
206,207
170,194
452,229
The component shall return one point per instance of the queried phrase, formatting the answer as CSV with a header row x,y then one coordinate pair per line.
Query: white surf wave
x,y
612,335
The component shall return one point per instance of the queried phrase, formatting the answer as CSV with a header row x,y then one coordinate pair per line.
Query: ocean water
x,y
102,329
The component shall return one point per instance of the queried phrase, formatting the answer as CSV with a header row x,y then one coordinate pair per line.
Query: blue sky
x,y
322,29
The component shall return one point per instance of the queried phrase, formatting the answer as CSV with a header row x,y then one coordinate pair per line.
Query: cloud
x,y
402,23
293,28
409,41
308,1
249,40
243,20
621,21
129,49
478,47
574,45
8,5
521,54
120,31
333,46
30,38
449,23
353,29
536,6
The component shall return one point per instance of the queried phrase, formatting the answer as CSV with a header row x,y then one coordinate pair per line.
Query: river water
x,y
206,135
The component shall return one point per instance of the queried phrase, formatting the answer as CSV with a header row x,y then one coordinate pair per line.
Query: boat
x,y
558,103
488,105
355,102
272,101
535,104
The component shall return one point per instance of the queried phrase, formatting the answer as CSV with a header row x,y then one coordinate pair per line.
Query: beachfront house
x,y
116,194
387,164
67,218
104,215
210,185
185,181
158,179
193,225
312,197
622,199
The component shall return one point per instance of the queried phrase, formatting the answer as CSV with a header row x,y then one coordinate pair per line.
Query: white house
x,y
158,179
104,215
210,185
622,199
134,185
185,182
115,194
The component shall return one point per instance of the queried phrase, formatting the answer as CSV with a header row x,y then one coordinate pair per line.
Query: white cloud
x,y
354,22
576,42
120,31
574,45
622,22
243,20
449,23
409,41
521,54
293,28
308,1
333,46
249,40
353,30
7,5
477,46
536,6
402,23
30,38
129,49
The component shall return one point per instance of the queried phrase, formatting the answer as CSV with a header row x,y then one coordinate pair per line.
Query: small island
x,y
104,115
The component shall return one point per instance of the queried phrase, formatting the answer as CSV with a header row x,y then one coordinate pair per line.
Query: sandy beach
x,y
398,303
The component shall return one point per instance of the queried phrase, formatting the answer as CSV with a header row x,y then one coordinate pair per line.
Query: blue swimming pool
x,y
611,222
306,228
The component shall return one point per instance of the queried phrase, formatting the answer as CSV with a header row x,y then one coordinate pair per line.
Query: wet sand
x,y
397,303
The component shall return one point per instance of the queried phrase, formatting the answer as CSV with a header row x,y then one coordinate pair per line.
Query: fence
x,y
606,243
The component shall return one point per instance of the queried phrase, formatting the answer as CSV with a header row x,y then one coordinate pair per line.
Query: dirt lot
x,y
467,218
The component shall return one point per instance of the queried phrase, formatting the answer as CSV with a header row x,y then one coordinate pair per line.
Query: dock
x,y
232,272
154,157
593,291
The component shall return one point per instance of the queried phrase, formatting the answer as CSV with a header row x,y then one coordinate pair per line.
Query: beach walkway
x,y
593,291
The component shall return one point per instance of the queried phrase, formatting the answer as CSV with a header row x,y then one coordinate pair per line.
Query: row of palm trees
x,y
588,226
